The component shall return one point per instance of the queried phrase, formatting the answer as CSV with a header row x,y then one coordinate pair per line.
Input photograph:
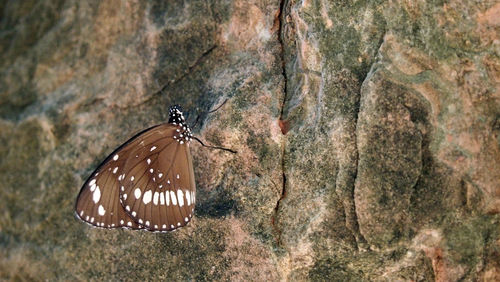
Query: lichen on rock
x,y
368,137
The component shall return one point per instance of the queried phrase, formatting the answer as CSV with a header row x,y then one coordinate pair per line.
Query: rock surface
x,y
368,137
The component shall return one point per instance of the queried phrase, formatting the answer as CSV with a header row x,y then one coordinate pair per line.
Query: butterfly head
x,y
175,115
183,132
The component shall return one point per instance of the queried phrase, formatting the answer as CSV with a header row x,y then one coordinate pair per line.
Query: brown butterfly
x,y
147,183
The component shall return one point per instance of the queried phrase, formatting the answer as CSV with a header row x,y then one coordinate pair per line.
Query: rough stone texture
x,y
368,137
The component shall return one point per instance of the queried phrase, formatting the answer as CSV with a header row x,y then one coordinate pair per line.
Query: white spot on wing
x,y
188,198
186,219
152,148
178,176
92,182
151,170
148,161
101,210
160,175
167,197
147,197
155,198
162,198
97,195
92,188
174,199
122,222
115,170
115,157
137,193
180,197
132,178
129,223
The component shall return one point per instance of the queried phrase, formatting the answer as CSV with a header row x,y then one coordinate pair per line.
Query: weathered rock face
x,y
368,137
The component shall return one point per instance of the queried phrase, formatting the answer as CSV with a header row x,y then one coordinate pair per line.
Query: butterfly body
x,y
147,183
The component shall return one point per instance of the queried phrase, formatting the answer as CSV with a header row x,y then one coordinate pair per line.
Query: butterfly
x,y
146,183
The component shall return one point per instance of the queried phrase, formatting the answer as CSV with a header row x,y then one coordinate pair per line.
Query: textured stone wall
x,y
368,137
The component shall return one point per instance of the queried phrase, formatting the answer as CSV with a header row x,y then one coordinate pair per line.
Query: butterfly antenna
x,y
214,147
209,112
195,122
213,111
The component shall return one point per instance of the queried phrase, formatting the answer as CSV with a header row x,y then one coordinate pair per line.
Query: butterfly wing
x,y
98,202
158,190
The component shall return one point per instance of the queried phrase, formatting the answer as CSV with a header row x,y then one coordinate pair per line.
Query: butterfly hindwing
x,y
154,194
182,188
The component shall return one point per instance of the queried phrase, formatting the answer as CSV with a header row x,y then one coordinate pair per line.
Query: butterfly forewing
x,y
98,202
158,189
